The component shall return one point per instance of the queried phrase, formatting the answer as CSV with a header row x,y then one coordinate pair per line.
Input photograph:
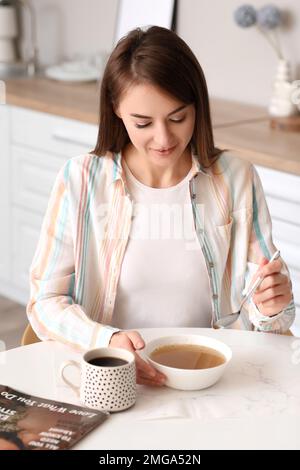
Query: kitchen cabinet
x,y
36,146
26,225
5,265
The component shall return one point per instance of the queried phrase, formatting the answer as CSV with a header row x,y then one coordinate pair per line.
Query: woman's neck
x,y
156,176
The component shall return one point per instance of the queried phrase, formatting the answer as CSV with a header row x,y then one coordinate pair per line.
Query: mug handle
x,y
65,364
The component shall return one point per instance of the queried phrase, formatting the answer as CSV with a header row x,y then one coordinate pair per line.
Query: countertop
x,y
81,101
72,101
240,127
257,142
255,405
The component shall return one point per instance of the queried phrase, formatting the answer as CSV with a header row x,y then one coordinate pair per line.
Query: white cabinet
x,y
5,265
51,134
283,197
34,173
36,145
26,227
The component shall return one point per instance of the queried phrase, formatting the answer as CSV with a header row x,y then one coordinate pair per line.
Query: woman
x,y
156,226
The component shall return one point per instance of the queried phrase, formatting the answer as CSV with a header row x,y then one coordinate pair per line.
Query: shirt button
x,y
215,296
211,265
193,196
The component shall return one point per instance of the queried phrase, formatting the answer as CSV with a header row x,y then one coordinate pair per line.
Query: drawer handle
x,y
63,136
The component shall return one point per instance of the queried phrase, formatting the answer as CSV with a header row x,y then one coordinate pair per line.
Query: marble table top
x,y
255,405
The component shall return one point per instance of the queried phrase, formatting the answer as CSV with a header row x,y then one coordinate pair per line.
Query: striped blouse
x,y
75,270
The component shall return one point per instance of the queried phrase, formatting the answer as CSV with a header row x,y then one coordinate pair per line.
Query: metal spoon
x,y
228,320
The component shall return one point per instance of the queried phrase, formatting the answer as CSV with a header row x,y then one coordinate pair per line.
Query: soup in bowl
x,y
189,362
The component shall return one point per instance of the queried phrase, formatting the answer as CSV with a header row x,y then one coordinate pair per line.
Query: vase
x,y
281,103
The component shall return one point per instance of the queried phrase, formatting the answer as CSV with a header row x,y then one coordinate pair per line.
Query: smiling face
x,y
160,127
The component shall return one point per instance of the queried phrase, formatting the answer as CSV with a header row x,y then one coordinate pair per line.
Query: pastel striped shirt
x,y
75,270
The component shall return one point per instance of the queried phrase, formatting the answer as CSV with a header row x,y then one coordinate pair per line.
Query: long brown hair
x,y
161,58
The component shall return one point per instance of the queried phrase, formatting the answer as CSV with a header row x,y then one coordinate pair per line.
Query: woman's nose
x,y
163,137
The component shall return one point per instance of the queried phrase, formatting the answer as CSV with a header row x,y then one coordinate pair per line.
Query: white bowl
x,y
189,379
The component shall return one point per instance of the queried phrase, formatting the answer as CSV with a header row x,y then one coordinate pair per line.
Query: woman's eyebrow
x,y
149,117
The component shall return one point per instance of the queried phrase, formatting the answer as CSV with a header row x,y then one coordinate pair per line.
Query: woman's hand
x,y
275,292
132,341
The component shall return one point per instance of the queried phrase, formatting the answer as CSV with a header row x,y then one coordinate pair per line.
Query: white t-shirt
x,y
163,280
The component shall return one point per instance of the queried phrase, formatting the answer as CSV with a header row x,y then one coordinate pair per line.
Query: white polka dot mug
x,y
108,379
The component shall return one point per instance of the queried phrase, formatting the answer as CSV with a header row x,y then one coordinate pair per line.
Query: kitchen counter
x,y
78,101
81,101
257,142
237,126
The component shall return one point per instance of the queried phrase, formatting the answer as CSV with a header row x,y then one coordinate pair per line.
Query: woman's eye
x,y
141,126
178,120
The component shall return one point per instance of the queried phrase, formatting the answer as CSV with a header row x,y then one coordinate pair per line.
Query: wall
x,y
239,64
67,28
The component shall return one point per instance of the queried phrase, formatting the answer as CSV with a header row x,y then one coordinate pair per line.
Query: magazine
x,y
34,423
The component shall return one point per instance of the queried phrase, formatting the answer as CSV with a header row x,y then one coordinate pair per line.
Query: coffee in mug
x,y
107,379
108,361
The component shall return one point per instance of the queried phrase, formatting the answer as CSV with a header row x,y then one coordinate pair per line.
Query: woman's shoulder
x,y
87,165
91,159
231,165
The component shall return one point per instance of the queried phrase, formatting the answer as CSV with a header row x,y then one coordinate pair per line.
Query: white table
x,y
256,404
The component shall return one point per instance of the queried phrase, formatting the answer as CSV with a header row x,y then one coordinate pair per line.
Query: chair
x,y
29,336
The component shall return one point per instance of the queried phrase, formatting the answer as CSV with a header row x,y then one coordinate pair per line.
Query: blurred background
x,y
52,55
238,65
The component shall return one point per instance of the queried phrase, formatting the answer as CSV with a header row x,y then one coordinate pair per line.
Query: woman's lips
x,y
165,151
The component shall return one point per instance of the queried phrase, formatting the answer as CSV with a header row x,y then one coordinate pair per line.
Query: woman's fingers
x,y
274,293
132,340
121,340
270,268
152,382
270,293
266,269
143,367
136,339
272,280
128,340
146,371
275,305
